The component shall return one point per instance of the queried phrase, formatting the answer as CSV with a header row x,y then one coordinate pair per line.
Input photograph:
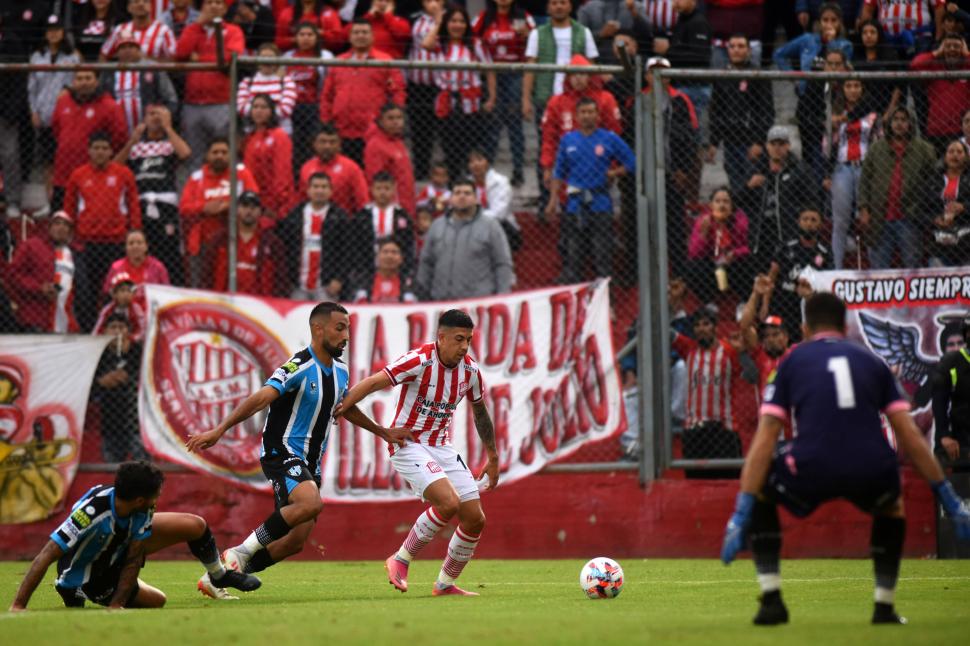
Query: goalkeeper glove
x,y
736,532
955,506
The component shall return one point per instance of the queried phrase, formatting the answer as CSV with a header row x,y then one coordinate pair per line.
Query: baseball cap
x,y
778,133
655,61
120,278
54,22
249,198
126,37
578,60
62,215
774,320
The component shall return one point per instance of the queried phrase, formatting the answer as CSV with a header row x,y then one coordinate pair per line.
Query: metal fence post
x,y
658,269
233,164
645,187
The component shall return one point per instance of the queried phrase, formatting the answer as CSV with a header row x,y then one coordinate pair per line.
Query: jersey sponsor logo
x,y
206,359
72,530
290,366
80,518
313,386
769,389
433,467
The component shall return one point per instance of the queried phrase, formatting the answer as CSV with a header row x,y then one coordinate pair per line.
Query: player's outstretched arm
x,y
49,554
911,441
486,431
377,381
390,435
129,574
753,477
250,406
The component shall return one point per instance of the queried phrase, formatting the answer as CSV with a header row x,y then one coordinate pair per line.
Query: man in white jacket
x,y
494,192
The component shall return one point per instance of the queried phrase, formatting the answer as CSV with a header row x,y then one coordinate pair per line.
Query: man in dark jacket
x,y
791,259
780,187
742,111
324,247
689,47
13,117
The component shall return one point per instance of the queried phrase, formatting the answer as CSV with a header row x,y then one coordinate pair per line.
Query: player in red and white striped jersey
x,y
661,14
434,379
156,39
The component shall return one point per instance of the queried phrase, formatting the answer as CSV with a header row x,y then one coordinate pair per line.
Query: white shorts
x,y
422,465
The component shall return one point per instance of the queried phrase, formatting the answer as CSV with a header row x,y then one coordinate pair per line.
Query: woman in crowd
x,y
854,127
309,83
504,29
140,267
43,88
873,54
93,24
460,101
718,253
827,38
274,81
949,198
314,12
268,154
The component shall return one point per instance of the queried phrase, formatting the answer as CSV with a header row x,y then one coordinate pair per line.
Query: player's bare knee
x,y
475,524
197,524
448,507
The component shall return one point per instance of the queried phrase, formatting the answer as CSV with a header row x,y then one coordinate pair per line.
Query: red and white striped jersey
x,y
897,16
436,197
157,40
461,81
431,392
710,375
661,14
281,89
310,252
855,137
382,220
419,30
127,92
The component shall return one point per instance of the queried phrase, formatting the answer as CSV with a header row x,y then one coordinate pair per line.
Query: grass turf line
x,y
663,601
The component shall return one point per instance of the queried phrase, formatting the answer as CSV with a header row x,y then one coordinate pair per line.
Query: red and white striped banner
x,y
546,358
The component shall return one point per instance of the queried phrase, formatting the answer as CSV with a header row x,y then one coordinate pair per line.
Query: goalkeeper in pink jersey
x,y
434,378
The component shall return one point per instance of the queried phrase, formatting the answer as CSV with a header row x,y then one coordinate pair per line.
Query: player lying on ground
x,y
301,396
102,545
435,378
836,390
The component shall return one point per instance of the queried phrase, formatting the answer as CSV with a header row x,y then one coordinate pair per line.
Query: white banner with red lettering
x,y
546,358
45,380
906,316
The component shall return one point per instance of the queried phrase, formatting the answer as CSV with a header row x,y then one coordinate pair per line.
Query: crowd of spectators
x,y
373,184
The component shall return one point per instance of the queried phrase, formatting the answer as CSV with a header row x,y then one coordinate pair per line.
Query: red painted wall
x,y
543,516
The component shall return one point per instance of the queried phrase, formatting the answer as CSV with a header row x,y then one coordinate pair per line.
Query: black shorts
x,y
802,488
286,472
99,589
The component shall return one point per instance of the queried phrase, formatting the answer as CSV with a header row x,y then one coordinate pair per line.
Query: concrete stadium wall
x,y
543,516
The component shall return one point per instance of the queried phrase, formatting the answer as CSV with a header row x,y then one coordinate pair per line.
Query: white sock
x,y
249,546
461,548
215,570
769,582
885,595
424,529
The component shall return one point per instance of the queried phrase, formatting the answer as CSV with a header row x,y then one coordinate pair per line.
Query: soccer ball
x,y
601,578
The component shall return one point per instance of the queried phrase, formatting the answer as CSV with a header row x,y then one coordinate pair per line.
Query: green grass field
x,y
663,601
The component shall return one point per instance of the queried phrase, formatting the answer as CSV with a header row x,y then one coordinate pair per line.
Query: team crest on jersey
x,y
462,389
205,360
80,518
295,471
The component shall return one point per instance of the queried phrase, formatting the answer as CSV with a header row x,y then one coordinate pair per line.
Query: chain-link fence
x,y
311,179
790,175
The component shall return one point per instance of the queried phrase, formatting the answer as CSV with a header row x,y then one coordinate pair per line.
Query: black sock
x,y
886,547
766,542
204,548
260,561
272,529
